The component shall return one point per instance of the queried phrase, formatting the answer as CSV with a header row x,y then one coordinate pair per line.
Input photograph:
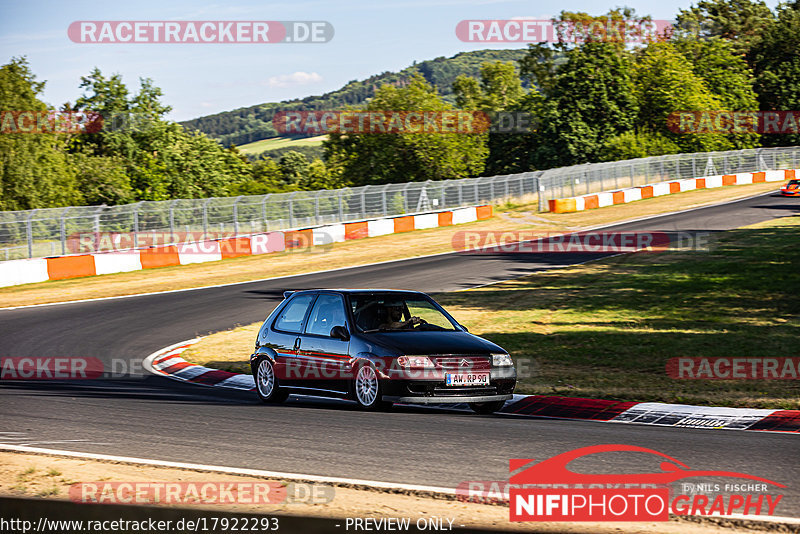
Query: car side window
x,y
291,317
327,312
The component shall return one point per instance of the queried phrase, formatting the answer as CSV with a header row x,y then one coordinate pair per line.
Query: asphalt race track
x,y
153,417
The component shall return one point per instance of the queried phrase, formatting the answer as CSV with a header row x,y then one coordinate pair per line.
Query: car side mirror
x,y
464,328
340,332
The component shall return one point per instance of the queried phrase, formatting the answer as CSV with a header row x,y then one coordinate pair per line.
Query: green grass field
x,y
258,147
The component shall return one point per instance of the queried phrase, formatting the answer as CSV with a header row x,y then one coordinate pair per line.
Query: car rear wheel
x,y
486,408
267,383
367,389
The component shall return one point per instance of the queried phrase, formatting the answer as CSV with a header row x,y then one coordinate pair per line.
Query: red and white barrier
x,y
632,194
16,272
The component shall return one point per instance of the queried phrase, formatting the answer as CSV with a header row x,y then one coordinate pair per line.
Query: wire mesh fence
x,y
50,231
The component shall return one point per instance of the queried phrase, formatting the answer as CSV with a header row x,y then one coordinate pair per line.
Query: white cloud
x,y
292,80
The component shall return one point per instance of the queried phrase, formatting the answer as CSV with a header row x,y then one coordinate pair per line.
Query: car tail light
x,y
415,361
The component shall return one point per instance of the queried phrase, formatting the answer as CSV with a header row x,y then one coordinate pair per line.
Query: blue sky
x,y
200,79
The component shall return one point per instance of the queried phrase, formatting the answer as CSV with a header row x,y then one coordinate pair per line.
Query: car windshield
x,y
793,183
392,312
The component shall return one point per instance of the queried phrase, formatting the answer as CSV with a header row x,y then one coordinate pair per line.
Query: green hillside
x,y
246,125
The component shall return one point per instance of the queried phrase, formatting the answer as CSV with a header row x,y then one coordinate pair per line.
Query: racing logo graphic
x,y
561,494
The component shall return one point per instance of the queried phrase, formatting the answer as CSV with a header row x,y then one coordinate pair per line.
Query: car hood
x,y
433,343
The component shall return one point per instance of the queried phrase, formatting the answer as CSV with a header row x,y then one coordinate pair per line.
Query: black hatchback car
x,y
377,347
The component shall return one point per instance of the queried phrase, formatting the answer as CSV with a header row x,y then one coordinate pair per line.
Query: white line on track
x,y
230,470
630,221
371,484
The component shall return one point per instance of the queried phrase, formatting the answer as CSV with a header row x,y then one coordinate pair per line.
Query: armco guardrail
x,y
124,259
45,232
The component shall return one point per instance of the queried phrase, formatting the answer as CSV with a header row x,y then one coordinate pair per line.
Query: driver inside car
x,y
394,317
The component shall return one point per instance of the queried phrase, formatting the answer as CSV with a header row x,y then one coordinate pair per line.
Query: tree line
x,y
595,100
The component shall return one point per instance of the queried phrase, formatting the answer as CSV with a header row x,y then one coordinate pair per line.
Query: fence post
x,y
341,206
63,225
385,204
29,229
264,212
97,230
136,224
364,201
291,208
236,216
172,216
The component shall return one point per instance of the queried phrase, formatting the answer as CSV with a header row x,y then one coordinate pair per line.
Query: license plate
x,y
466,379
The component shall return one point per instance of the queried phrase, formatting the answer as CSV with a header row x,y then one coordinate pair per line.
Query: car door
x,y
325,358
286,338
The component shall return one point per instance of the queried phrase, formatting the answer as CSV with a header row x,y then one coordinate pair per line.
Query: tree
x,y
727,76
666,83
500,87
293,166
34,172
637,144
775,57
739,21
591,100
379,158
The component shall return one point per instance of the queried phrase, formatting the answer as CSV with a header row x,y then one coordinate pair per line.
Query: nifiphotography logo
x,y
550,491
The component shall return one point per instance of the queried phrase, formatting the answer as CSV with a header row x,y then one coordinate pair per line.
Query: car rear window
x,y
291,317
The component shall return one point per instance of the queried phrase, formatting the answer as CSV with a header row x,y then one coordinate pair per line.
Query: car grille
x,y
462,363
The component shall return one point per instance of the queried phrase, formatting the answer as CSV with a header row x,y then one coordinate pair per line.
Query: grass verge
x,y
606,329
358,252
257,147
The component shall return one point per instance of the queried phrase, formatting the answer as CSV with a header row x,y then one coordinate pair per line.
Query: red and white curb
x,y
169,363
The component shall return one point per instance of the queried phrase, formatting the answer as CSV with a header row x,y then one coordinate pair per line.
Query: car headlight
x,y
501,360
415,361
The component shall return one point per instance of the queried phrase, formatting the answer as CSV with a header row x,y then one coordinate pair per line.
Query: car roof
x,y
360,290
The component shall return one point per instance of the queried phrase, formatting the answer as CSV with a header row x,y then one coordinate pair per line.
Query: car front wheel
x,y
486,408
367,389
267,383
